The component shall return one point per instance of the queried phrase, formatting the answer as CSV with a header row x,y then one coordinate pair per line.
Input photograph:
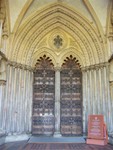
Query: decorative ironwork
x,y
58,41
44,63
43,102
71,62
71,103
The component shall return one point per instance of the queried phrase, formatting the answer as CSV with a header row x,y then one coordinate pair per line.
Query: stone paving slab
x,y
52,146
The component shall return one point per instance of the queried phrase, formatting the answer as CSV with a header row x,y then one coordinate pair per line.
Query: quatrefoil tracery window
x,y
58,41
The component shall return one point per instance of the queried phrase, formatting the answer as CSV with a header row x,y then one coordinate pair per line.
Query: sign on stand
x,y
97,132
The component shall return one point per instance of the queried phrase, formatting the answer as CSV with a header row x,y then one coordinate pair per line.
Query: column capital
x,y
20,66
110,37
57,68
95,66
5,36
2,82
111,83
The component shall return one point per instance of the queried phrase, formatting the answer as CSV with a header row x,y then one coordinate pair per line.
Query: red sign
x,y
96,127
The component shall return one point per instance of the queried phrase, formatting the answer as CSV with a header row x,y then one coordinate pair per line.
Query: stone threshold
x,y
61,139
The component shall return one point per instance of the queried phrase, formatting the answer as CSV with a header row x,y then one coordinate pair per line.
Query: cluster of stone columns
x,y
96,94
2,98
16,116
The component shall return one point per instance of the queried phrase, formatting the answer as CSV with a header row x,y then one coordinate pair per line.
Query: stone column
x,y
57,102
84,83
111,112
2,100
4,42
1,24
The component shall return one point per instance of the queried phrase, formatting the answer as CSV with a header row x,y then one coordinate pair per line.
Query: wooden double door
x,y
43,122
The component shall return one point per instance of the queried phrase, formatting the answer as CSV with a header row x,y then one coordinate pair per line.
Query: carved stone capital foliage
x,y
2,82
21,66
95,67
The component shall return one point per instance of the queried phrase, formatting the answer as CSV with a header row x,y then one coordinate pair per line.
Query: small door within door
x,y
71,98
44,98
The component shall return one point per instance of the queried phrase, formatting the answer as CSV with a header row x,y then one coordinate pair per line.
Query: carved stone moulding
x,y
53,18
96,66
21,66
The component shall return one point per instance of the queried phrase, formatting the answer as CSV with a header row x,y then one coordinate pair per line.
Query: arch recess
x,y
41,52
57,59
41,23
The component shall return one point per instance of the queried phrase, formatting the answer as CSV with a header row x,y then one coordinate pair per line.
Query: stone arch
x,y
67,54
86,53
44,62
41,52
50,18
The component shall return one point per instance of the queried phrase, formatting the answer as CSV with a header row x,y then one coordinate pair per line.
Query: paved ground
x,y
52,146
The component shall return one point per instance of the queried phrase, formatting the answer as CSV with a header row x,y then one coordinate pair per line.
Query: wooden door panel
x,y
71,99
43,99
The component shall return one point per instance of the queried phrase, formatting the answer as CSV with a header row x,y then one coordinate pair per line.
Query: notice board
x,y
96,127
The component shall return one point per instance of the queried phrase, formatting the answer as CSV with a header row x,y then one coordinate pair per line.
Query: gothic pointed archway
x,y
53,114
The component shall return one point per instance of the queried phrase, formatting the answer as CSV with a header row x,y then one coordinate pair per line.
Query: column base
x,y
57,134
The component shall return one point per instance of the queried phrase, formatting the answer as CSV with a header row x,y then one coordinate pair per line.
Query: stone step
x,y
37,139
